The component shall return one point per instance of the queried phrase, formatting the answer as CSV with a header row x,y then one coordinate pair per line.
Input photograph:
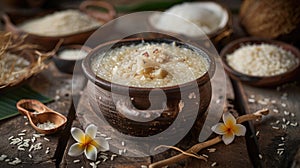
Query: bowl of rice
x,y
73,26
67,56
126,79
261,62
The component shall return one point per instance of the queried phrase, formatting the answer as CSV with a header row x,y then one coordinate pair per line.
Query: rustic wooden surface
x,y
58,89
279,131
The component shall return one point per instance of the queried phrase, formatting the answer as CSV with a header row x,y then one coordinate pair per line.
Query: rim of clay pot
x,y
107,85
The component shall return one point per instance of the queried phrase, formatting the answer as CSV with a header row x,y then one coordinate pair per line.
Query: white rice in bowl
x,y
60,23
262,60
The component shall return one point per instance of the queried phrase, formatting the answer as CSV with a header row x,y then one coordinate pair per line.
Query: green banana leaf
x,y
148,5
9,99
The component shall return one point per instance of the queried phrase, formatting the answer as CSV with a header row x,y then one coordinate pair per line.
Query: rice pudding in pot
x,y
150,65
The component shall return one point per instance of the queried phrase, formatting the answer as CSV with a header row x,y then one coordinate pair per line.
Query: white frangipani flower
x,y
229,128
87,143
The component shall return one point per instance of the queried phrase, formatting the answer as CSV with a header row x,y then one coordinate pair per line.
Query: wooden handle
x,y
125,107
24,104
101,16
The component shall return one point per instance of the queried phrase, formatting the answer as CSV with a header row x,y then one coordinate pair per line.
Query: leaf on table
x,y
9,99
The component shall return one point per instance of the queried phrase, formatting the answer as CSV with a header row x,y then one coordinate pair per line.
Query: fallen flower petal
x,y
87,143
91,152
229,129
76,149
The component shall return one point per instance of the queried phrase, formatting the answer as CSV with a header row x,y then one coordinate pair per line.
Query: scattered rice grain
x,y
76,161
20,148
251,100
257,133
113,156
213,164
36,135
211,150
280,153
275,111
262,102
273,101
93,165
204,155
294,124
286,112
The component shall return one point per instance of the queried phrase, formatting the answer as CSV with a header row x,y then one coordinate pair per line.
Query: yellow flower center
x,y
87,140
229,130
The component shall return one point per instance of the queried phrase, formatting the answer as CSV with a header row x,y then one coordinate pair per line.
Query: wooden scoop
x,y
38,113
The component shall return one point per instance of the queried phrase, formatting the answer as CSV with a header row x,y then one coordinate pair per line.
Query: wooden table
x,y
272,142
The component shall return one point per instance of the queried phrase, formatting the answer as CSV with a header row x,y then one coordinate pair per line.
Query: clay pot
x,y
119,105
49,42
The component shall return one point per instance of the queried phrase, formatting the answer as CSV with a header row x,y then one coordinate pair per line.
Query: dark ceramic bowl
x,y
115,111
261,81
67,65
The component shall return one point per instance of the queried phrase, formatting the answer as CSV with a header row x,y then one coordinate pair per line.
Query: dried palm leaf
x,y
20,60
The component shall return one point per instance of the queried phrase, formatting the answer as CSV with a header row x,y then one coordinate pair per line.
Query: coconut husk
x,y
20,60
270,18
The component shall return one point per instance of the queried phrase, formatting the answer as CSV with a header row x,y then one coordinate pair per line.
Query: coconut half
x,y
192,19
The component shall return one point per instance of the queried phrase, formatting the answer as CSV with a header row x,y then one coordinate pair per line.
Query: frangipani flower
x,y
229,129
87,142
